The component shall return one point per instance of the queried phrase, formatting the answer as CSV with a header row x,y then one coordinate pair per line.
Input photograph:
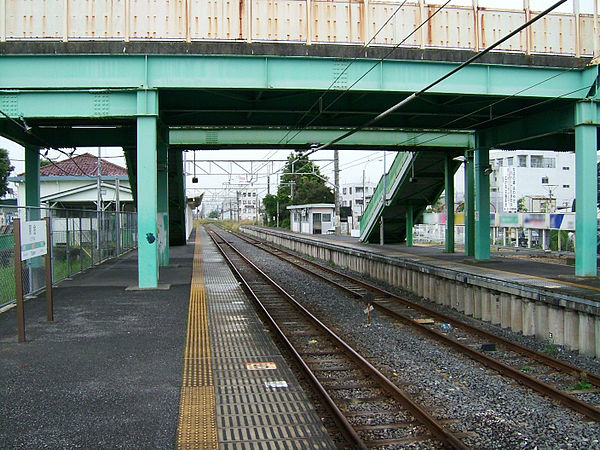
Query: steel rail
x,y
345,427
543,388
427,420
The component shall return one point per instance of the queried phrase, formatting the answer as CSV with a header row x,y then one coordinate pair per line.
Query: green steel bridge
x,y
160,81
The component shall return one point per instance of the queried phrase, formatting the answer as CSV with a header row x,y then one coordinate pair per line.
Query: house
x,y
315,218
73,184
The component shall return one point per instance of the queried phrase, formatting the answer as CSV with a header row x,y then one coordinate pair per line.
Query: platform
x,y
110,371
556,278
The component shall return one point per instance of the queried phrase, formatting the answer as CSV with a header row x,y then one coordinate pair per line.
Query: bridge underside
x,y
157,105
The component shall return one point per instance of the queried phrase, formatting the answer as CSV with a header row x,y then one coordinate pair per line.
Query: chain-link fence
x,y
79,240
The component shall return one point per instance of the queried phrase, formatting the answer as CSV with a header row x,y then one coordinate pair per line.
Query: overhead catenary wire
x,y
420,92
358,55
379,61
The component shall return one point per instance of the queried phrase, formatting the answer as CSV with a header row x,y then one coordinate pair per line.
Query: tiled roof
x,y
81,165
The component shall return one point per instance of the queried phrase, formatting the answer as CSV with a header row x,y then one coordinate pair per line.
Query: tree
x,y
302,178
5,169
214,214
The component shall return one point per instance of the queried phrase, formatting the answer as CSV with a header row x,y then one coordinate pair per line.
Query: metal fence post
x,y
67,248
48,267
19,281
92,244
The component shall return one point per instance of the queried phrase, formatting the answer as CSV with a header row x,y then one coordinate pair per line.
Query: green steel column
x,y
482,204
449,188
469,205
409,226
32,181
586,192
163,204
147,202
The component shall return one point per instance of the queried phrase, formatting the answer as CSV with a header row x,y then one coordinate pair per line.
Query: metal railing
x,y
375,206
80,239
568,31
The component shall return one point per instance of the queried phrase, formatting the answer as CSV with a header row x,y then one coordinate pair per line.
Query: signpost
x,y
31,240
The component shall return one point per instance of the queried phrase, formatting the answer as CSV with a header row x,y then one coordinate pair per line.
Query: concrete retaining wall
x,y
561,319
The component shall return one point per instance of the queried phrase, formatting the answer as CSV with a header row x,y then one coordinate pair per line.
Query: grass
x,y
527,369
550,348
583,384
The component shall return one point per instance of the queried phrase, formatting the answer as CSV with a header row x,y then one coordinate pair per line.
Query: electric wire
x,y
376,64
420,92
320,98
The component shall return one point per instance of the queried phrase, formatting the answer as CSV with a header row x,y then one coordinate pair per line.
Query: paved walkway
x,y
113,368
107,372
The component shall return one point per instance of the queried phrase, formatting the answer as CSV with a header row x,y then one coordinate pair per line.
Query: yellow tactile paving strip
x,y
197,427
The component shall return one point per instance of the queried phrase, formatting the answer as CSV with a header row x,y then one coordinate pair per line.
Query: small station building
x,y
315,218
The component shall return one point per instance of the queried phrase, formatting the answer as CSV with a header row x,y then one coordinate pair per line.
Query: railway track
x,y
542,373
369,409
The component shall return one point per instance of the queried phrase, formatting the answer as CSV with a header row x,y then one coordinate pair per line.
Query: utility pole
x,y
362,210
336,180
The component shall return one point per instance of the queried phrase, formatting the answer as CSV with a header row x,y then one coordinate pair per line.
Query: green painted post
x,y
482,204
32,181
409,226
163,204
585,191
469,204
449,188
147,201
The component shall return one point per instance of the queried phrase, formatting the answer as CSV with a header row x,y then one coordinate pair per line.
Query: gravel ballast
x,y
497,411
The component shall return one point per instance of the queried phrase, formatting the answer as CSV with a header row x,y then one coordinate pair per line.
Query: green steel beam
x,y
32,179
66,136
469,204
586,189
526,131
449,189
409,225
377,138
276,72
147,202
177,200
482,204
69,104
163,204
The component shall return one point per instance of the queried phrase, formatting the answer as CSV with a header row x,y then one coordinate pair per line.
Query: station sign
x,y
33,239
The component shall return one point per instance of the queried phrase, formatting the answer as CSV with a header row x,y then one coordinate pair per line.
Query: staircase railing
x,y
375,206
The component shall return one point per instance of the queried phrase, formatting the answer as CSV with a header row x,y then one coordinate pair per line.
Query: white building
x,y
247,201
315,218
544,180
356,196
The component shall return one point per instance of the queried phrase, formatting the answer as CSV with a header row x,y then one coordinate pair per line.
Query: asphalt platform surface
x,y
107,372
